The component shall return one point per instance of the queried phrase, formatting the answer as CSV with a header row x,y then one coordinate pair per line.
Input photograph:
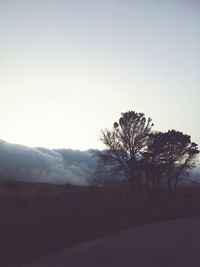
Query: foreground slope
x,y
38,220
171,243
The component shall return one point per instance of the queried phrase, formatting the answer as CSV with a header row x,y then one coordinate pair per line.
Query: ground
x,y
41,219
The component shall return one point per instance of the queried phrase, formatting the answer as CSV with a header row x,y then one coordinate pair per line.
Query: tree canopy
x,y
147,158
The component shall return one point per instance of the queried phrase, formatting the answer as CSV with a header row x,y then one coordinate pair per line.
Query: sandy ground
x,y
172,243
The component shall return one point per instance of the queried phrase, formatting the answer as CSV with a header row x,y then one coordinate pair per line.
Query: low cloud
x,y
59,166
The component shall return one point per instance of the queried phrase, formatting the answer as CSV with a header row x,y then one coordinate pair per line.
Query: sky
x,y
68,68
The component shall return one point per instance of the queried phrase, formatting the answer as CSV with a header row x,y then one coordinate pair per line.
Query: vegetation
x,y
42,219
149,160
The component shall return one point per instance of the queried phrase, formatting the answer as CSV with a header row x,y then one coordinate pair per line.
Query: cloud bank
x,y
59,166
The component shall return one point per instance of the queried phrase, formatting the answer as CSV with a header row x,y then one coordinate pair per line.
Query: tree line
x,y
150,160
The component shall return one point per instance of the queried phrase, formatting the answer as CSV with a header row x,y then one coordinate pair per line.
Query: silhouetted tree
x,y
171,154
148,158
125,143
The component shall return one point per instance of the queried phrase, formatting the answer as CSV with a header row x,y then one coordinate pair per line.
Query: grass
x,y
40,219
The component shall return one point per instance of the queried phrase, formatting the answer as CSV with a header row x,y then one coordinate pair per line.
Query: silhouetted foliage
x,y
149,160
171,155
125,143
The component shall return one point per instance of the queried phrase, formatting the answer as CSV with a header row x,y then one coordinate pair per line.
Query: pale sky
x,y
68,68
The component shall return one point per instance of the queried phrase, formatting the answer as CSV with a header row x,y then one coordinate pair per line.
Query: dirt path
x,y
172,243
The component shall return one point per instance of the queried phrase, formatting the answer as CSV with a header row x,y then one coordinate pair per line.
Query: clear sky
x,y
68,68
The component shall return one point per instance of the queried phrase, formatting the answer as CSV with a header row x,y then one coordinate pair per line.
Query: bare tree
x,y
125,143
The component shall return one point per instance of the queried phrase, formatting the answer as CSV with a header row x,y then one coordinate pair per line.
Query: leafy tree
x,y
148,158
172,153
125,143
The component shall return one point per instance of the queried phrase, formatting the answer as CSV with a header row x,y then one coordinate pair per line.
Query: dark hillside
x,y
38,219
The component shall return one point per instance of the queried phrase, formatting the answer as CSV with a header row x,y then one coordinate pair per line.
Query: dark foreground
x,y
166,244
40,219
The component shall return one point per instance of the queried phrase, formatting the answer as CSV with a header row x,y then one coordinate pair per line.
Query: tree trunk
x,y
157,183
132,187
153,184
147,182
175,187
169,186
